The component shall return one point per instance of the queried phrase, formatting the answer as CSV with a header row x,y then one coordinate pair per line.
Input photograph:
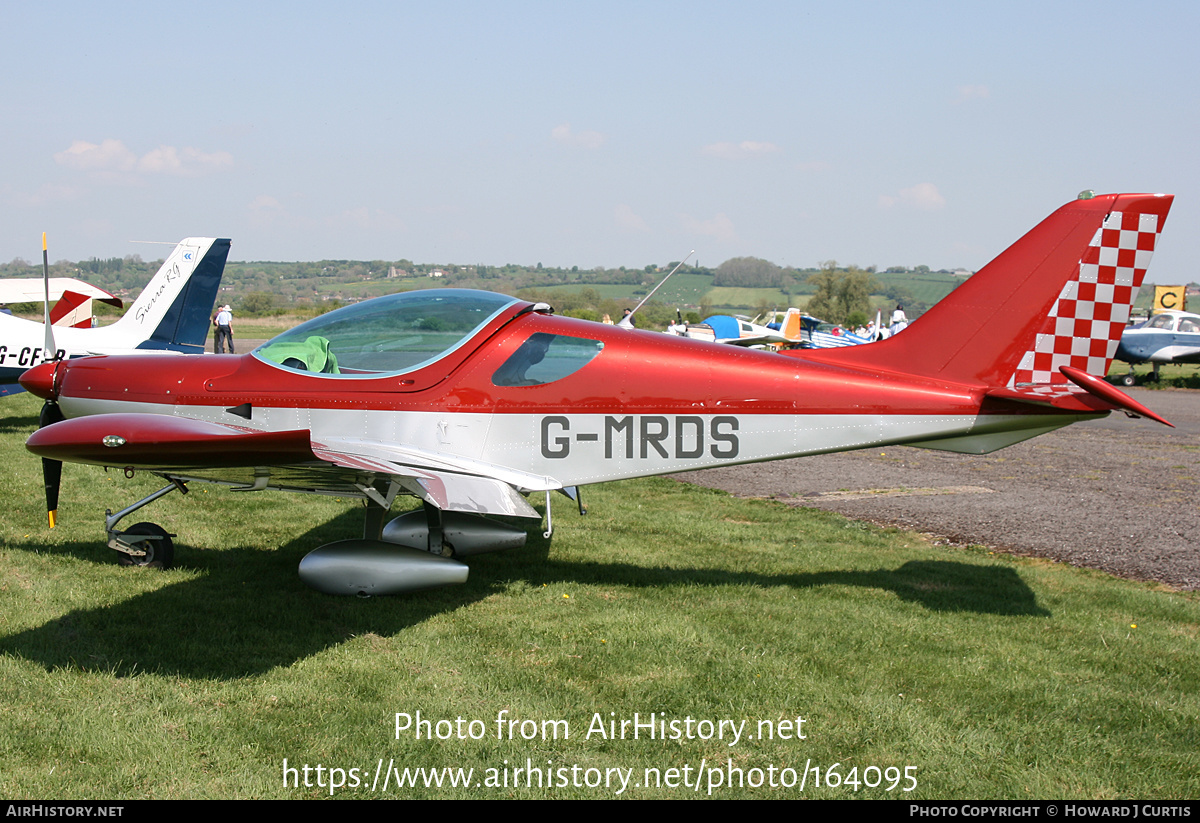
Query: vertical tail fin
x,y
1059,296
172,312
791,325
1084,326
72,309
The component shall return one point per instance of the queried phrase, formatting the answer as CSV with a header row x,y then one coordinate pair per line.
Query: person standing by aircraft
x,y
224,324
899,320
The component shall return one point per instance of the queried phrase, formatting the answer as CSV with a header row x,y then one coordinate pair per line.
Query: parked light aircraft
x,y
74,297
833,336
1167,337
471,400
796,329
172,314
741,331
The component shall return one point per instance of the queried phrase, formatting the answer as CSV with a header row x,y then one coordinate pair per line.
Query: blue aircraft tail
x,y
181,324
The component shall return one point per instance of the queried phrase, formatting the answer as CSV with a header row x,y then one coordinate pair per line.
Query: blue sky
x,y
589,134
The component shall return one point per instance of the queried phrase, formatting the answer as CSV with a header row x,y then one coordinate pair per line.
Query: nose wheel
x,y
151,542
142,544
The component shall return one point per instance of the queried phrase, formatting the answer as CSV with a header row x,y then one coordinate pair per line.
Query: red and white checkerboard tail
x,y
1083,327
1059,296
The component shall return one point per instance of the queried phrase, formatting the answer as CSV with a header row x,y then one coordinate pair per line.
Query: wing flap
x,y
479,495
349,451
451,483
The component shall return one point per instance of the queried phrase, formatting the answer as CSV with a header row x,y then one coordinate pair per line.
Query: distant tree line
x,y
265,287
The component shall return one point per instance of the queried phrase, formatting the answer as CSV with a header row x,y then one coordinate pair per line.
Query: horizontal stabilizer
x,y
1106,391
1088,394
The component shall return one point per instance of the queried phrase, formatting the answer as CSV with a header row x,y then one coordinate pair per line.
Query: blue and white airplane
x,y
797,329
172,314
1167,337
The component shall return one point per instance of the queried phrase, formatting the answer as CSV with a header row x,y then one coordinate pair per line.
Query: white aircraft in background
x,y
171,314
797,329
74,297
1167,337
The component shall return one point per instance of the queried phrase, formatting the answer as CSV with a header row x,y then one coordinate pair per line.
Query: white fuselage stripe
x,y
578,449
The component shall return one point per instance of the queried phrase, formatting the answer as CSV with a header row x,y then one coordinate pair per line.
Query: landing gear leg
x,y
379,497
373,523
143,544
437,534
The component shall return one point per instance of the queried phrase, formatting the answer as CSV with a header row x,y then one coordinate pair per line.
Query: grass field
x,y
984,675
1171,375
928,288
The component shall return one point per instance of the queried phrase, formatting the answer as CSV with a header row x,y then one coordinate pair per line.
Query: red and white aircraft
x,y
471,400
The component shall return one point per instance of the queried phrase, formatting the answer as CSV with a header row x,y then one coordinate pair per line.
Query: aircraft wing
x,y
449,482
250,459
33,290
757,340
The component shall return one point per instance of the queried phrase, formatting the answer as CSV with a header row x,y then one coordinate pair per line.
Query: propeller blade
x,y
48,350
51,469
51,479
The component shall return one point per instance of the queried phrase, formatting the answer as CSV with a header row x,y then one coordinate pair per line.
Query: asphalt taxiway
x,y
1118,494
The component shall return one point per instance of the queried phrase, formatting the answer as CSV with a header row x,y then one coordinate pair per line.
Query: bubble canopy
x,y
388,335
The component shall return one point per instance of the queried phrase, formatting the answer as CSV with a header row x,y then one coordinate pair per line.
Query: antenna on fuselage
x,y
626,322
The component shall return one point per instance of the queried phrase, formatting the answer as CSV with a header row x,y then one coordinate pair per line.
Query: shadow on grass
x,y
248,612
938,585
24,424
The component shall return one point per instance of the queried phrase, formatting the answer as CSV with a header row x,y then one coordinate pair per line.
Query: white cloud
x,y
186,161
923,196
583,139
735,151
113,156
967,93
628,220
718,226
